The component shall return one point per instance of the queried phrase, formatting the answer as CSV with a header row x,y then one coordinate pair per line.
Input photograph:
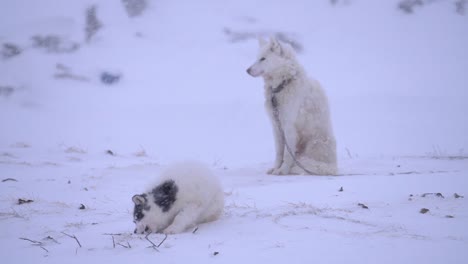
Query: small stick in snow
x,y
51,238
363,205
113,234
113,241
195,230
125,246
74,237
9,179
32,241
162,241
153,245
341,189
35,243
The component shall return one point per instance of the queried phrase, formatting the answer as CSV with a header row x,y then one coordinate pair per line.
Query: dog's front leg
x,y
279,147
183,220
290,137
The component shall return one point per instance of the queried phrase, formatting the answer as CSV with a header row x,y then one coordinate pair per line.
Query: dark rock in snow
x,y
10,50
23,201
423,210
109,78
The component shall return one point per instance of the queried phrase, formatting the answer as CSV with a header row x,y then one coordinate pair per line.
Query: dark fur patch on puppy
x,y
165,194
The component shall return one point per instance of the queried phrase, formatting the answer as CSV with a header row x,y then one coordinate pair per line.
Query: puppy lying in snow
x,y
185,195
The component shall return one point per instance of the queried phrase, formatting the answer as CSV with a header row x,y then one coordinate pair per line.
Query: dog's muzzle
x,y
254,73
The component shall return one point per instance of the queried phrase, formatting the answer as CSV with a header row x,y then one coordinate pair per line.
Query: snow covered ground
x,y
397,85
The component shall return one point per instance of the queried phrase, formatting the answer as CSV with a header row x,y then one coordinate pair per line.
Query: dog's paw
x,y
275,171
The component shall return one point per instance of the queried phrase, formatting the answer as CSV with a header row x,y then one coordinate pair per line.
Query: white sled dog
x,y
185,195
298,109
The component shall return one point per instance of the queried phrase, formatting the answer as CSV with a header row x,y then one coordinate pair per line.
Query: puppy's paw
x,y
171,230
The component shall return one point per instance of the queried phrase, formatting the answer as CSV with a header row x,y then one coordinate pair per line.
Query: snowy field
x,y
75,149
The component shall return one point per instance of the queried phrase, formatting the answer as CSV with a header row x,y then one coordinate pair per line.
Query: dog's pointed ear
x,y
139,199
261,41
275,46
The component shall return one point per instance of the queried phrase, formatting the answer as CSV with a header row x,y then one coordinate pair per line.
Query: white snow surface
x,y
398,91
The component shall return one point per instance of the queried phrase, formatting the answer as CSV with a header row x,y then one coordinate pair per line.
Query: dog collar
x,y
281,86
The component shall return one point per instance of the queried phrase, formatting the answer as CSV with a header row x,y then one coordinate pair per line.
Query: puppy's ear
x,y
261,41
139,199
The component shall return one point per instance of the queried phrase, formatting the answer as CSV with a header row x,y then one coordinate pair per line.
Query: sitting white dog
x,y
185,195
298,109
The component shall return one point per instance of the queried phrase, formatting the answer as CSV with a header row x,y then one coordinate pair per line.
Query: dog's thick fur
x,y
185,195
303,112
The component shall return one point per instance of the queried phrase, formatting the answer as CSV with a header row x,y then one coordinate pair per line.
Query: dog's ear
x,y
261,41
275,46
138,199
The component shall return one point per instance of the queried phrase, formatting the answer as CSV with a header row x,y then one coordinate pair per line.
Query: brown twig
x,y
153,245
124,245
195,230
113,234
74,237
165,237
32,241
9,179
53,239
35,243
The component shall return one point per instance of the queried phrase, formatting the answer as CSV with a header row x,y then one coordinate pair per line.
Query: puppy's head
x,y
151,212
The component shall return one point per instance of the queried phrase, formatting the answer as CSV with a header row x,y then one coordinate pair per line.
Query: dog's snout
x,y
248,71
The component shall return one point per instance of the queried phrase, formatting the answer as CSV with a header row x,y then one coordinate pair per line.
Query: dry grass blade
x,y
32,241
165,237
153,245
74,237
35,243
